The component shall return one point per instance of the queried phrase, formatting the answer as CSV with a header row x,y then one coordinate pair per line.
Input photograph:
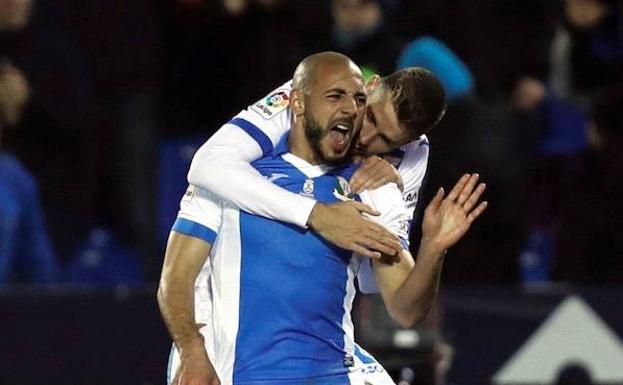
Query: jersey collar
x,y
308,169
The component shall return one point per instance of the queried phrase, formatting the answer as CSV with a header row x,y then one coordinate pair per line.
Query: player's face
x,y
333,113
380,132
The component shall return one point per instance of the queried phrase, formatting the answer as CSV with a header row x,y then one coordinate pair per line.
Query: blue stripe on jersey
x,y
363,356
260,137
194,229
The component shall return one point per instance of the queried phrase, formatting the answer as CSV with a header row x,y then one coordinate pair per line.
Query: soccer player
x,y
281,297
401,109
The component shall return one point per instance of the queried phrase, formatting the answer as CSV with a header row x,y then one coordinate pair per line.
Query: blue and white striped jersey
x,y
281,296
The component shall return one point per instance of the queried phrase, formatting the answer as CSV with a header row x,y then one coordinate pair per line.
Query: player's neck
x,y
300,147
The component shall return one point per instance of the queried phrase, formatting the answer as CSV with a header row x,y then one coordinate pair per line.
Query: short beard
x,y
314,134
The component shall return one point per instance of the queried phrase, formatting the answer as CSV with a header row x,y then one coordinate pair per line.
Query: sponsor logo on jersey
x,y
272,104
411,196
349,360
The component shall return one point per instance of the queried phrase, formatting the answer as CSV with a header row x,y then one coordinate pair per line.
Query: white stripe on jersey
x,y
347,322
226,290
412,169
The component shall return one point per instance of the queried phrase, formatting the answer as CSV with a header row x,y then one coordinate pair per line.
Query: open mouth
x,y
340,135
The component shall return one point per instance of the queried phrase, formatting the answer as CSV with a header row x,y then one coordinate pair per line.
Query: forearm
x,y
176,302
415,297
226,171
184,259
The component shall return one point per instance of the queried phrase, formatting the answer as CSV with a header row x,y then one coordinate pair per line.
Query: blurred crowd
x,y
91,91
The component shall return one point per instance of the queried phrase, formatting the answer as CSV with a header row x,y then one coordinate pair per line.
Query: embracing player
x,y
281,297
400,109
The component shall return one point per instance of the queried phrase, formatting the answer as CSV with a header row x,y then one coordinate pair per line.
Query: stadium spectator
x,y
125,76
589,47
360,31
25,251
54,136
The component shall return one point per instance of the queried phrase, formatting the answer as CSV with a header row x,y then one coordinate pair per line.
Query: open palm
x,y
447,219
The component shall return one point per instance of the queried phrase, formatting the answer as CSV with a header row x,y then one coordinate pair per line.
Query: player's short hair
x,y
418,98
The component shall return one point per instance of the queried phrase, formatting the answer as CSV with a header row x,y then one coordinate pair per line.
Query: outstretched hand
x,y
446,220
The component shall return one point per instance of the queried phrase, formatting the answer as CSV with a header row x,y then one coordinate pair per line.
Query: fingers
x,y
373,236
474,197
380,233
467,188
472,216
372,184
363,173
374,173
458,187
364,208
361,250
389,248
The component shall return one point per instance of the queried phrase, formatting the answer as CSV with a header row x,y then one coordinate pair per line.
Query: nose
x,y
349,106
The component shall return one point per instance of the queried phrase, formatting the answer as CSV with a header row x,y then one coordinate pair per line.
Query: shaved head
x,y
306,70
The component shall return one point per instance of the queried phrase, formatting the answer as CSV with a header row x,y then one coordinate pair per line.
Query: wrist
x,y
429,248
191,345
315,215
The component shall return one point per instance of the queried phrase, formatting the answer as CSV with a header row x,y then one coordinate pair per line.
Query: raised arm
x,y
409,288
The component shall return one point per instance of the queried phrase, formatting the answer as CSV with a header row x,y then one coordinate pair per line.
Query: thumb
x,y
364,208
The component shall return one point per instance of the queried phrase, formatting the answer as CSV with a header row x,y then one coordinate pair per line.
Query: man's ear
x,y
373,83
297,102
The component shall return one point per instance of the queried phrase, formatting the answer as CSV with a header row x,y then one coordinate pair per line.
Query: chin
x,y
336,159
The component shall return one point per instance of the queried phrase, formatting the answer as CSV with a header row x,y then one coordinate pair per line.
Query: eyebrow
x,y
342,91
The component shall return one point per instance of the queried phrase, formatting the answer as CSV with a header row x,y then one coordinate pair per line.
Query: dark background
x,y
102,104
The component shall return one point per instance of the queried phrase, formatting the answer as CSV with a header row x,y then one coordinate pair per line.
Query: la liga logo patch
x,y
279,99
273,104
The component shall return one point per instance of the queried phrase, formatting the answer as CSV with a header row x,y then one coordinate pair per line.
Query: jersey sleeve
x,y
412,169
200,215
222,164
394,216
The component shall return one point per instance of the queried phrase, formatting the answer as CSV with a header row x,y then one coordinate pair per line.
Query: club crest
x,y
308,188
342,190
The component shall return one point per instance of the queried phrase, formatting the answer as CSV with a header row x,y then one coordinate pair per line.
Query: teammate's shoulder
x,y
274,103
416,149
422,141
